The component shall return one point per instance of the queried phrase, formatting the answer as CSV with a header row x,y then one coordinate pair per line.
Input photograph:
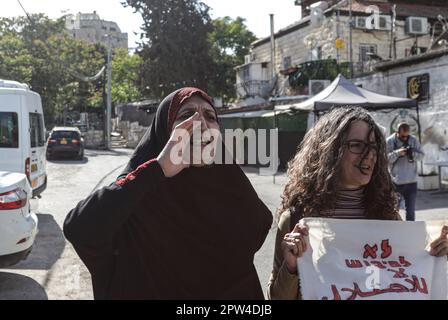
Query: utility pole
x,y
272,47
337,32
109,95
350,38
392,49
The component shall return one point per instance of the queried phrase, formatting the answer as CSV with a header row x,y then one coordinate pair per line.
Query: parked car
x,y
22,133
18,225
65,141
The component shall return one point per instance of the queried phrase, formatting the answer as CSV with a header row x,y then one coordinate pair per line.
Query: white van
x,y
22,134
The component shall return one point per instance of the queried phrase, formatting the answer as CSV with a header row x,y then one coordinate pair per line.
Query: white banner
x,y
371,259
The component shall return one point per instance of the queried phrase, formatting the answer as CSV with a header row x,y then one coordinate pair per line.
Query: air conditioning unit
x,y
248,58
316,86
360,22
416,25
385,23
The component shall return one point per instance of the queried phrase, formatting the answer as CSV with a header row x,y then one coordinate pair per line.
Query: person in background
x,y
403,152
340,171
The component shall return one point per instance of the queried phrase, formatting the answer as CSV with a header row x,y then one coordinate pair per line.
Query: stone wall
x,y
299,43
132,132
94,139
433,113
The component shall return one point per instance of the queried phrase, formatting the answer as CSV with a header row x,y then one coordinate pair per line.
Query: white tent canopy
x,y
342,92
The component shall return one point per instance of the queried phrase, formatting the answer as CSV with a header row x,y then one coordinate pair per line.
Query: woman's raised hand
x,y
294,246
173,158
439,247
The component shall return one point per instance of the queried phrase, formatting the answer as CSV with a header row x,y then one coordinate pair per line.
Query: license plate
x,y
33,167
64,141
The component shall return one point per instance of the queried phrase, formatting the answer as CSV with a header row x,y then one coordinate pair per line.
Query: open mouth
x,y
365,169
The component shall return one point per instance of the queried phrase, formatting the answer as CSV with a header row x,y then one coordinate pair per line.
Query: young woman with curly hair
x,y
339,171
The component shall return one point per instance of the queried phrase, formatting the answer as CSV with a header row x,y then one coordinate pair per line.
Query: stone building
x,y
323,34
89,27
422,77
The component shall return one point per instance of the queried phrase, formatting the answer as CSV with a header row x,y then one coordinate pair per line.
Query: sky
x,y
256,12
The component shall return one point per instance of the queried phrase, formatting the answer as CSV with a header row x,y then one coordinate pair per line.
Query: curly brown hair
x,y
315,170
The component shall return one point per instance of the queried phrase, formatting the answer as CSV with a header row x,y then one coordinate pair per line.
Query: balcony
x,y
253,88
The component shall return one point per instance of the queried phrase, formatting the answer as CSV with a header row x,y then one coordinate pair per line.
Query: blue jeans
x,y
408,192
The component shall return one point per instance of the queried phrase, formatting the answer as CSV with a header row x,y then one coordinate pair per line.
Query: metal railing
x,y
252,88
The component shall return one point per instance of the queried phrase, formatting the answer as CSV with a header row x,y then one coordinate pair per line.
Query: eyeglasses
x,y
359,146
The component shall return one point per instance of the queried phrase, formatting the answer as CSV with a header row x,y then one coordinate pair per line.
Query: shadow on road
x,y
18,287
430,200
48,246
112,152
65,160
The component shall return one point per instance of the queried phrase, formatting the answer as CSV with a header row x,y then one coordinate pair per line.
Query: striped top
x,y
349,205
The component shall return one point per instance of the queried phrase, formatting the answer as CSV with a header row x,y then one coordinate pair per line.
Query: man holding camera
x,y
403,150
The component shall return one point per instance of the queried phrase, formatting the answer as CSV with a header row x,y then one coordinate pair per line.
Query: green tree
x,y
37,51
125,71
175,48
230,41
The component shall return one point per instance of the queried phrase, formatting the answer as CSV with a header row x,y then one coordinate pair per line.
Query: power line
x,y
24,10
74,73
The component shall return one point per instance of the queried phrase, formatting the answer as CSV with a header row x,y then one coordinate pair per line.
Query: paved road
x,y
54,271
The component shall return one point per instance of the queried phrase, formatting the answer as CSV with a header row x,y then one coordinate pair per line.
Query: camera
x,y
409,153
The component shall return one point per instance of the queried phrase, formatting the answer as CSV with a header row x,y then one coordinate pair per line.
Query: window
x,y
112,29
246,73
418,50
286,62
9,130
365,50
65,134
37,135
264,65
316,54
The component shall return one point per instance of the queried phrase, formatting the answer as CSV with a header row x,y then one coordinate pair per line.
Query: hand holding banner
x,y
371,259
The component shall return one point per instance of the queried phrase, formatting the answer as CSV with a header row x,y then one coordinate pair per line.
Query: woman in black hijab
x,y
166,231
